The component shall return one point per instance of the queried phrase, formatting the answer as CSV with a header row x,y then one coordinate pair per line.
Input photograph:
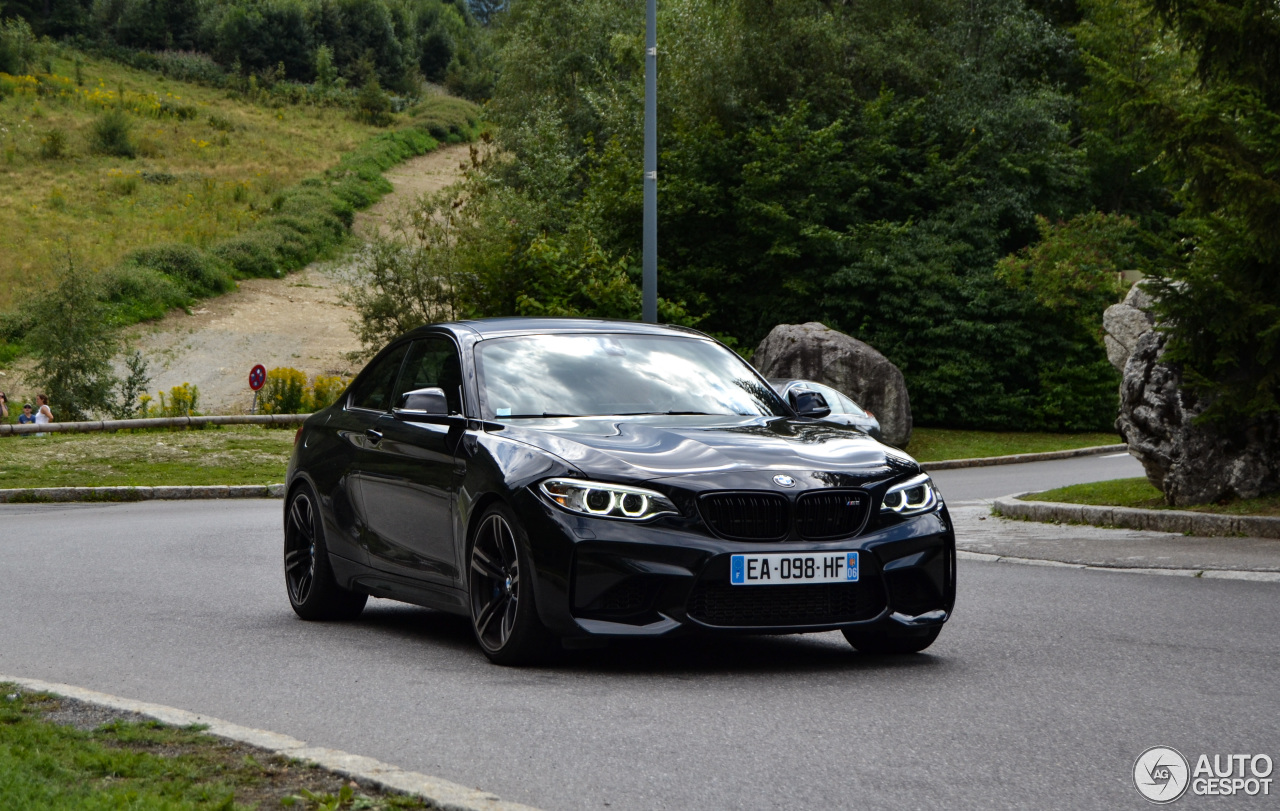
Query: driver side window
x,y
433,363
373,390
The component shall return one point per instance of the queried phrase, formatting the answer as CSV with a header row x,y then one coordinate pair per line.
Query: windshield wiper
x,y
534,416
665,414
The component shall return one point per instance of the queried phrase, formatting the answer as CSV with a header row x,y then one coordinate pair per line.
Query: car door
x,y
368,399
411,478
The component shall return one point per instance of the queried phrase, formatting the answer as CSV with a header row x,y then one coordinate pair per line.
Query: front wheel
x,y
901,642
313,592
503,615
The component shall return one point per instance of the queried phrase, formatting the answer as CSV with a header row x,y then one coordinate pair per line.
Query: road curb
x,y
1022,458
442,794
38,495
1178,521
1211,574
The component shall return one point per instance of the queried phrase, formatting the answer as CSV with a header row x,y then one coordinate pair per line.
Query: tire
x,y
884,642
504,617
308,575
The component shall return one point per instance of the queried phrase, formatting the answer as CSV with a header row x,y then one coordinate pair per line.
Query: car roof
x,y
502,327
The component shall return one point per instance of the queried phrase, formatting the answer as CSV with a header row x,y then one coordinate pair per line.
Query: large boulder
x,y
1124,323
1191,463
815,352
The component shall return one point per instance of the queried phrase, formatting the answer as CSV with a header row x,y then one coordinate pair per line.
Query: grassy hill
x,y
104,159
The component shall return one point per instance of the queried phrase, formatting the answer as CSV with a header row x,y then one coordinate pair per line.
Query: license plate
x,y
784,569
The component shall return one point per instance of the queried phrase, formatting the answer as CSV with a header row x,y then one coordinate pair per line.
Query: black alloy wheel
x,y
891,643
500,583
313,592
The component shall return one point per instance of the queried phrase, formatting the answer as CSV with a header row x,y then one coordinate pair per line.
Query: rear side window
x,y
433,363
373,390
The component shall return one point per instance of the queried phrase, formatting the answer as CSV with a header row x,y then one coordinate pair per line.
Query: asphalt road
x,y
1041,692
1002,480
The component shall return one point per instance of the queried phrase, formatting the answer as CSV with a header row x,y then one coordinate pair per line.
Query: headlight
x,y
912,497
607,500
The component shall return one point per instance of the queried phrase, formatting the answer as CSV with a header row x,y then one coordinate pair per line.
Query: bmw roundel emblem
x,y
784,480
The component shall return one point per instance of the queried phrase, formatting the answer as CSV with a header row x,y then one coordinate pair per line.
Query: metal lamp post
x,y
649,308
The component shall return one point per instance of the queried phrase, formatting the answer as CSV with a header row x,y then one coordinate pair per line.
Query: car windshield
x,y
583,375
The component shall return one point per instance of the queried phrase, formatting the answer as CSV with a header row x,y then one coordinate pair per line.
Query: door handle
x,y
374,436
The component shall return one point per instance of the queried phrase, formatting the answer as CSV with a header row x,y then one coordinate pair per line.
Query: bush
x,y
182,402
251,254
112,134
373,105
53,144
74,341
287,392
137,293
189,66
200,273
17,46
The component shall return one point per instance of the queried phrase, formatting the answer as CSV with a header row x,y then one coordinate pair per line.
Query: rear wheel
x,y
313,592
891,643
500,580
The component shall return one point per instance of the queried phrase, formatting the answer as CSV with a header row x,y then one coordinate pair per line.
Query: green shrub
x,y
18,46
53,144
202,274
221,123
373,105
287,392
182,401
9,352
189,66
74,341
136,293
173,109
112,134
251,254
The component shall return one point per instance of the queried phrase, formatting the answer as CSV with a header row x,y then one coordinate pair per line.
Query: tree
x,y
74,342
1213,118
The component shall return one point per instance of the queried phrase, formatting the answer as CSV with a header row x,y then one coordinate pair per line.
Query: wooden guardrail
x,y
153,422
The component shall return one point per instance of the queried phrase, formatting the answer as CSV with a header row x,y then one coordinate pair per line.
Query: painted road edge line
x,y
1213,574
443,794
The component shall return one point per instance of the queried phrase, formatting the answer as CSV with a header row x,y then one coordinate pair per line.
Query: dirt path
x,y
297,321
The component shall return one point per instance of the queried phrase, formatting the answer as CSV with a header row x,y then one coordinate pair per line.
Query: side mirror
x,y
422,404
810,404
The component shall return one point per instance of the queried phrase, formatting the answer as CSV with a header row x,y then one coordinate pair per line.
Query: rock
x,y
1125,323
1191,463
815,352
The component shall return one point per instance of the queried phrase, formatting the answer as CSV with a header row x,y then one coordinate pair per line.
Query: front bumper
x,y
599,577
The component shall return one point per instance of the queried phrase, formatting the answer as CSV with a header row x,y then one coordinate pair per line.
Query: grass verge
x,y
242,454
60,754
936,444
1141,494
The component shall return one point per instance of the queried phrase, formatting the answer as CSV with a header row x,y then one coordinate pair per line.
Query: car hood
x,y
650,447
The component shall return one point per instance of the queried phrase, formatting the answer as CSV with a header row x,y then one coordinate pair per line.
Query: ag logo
x,y
1161,774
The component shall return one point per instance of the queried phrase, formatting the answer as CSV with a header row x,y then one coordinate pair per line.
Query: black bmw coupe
x,y
562,480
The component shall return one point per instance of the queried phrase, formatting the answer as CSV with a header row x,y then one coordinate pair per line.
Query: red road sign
x,y
257,377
